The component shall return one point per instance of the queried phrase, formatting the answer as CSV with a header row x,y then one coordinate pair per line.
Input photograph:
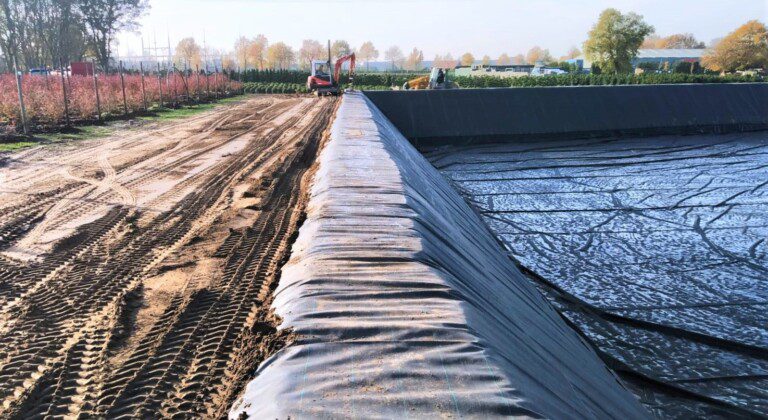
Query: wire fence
x,y
35,102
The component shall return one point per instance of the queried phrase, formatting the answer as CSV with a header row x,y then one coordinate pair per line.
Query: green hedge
x,y
283,81
600,80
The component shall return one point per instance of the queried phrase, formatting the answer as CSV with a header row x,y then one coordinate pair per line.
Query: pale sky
x,y
434,26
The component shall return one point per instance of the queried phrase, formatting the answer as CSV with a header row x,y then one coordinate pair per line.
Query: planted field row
x,y
259,87
44,97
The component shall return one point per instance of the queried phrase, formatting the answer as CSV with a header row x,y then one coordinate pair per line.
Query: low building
x,y
511,70
671,56
654,56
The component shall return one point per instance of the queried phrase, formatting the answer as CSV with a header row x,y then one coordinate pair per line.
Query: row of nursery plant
x,y
44,96
260,87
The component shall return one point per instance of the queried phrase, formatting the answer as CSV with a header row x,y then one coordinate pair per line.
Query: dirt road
x,y
136,271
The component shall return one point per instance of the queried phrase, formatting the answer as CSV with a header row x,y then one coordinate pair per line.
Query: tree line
x,y
612,44
615,39
39,33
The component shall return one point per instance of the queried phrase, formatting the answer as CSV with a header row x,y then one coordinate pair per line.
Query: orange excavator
x,y
321,81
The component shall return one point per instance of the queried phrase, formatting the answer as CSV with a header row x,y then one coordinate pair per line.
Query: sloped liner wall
x,y
467,116
406,306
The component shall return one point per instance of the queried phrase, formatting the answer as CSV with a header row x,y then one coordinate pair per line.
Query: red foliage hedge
x,y
43,95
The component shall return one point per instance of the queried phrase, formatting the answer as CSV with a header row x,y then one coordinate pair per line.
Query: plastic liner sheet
x,y
654,248
467,116
405,305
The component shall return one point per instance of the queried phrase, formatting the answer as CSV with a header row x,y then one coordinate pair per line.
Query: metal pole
x,y
160,83
22,108
96,89
64,91
143,87
122,84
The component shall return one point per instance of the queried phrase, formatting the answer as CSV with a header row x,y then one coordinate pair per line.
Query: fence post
x,y
197,71
216,83
22,108
122,84
96,89
160,84
184,82
64,91
143,87
207,83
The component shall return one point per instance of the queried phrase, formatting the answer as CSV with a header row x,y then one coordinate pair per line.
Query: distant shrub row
x,y
600,80
284,81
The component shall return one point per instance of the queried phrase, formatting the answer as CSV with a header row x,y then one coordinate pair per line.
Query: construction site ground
x,y
136,271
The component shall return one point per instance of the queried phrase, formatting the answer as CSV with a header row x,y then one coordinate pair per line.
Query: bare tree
x,y
340,48
104,19
538,54
467,59
310,50
241,52
444,61
280,56
572,53
228,62
395,55
256,51
188,53
685,40
43,31
415,59
9,31
367,53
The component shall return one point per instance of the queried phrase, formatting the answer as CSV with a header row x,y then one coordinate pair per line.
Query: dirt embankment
x,y
136,271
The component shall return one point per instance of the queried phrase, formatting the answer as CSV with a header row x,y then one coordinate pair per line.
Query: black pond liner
x,y
641,212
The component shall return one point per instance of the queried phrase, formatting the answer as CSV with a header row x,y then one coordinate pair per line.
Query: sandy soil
x,y
136,270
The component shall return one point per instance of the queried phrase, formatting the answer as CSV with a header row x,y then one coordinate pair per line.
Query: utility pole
x,y
205,53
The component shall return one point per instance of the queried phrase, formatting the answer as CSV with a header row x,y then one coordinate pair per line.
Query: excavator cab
x,y
321,69
322,82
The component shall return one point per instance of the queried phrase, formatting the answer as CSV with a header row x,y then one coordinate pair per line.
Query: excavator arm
x,y
340,62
